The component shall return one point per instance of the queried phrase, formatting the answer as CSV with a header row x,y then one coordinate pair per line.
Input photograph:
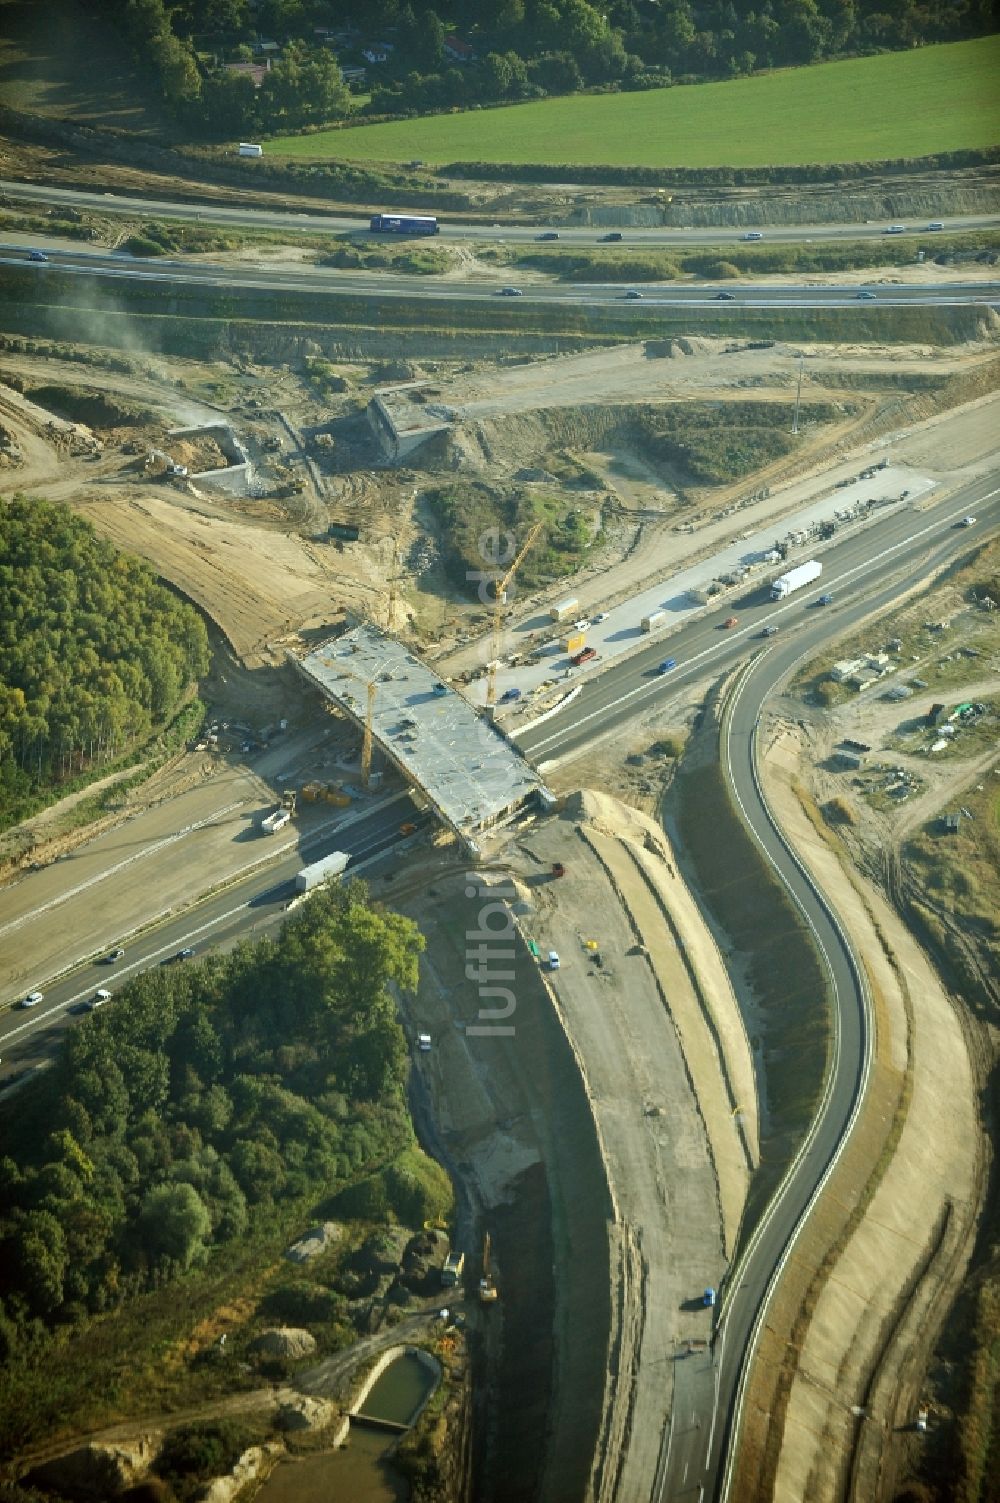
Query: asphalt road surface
x,y
27,1035
608,700
256,217
903,550
163,271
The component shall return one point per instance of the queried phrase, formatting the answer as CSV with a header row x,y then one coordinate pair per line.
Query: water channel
x,y
362,1470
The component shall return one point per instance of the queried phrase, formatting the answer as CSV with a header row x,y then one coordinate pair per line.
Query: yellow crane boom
x,y
500,596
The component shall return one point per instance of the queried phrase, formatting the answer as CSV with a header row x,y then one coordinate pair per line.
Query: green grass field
x,y
900,104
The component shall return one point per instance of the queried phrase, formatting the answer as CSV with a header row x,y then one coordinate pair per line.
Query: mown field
x,y
900,104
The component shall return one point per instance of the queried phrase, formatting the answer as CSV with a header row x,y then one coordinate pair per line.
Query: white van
x,y
753,235
99,998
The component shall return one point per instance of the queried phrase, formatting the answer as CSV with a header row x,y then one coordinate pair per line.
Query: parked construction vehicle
x,y
326,793
488,1292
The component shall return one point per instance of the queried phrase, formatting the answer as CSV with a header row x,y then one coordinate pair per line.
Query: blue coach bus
x,y
405,224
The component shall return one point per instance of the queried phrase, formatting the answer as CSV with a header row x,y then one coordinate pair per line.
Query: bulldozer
x,y
327,793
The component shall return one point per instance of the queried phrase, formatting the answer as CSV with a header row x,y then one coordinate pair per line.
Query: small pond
x,y
400,1391
361,1472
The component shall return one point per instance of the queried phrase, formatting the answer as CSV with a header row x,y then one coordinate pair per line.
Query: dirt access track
x,y
622,1070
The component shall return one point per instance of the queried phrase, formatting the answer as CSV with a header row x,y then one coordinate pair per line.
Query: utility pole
x,y
798,395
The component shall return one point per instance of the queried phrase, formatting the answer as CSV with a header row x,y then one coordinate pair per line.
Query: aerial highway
x,y
241,908
864,574
113,266
452,225
608,700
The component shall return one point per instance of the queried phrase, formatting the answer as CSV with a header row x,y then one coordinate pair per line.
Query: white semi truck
x,y
795,579
321,871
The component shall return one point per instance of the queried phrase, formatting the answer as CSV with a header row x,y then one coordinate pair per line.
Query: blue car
x,y
37,256
667,664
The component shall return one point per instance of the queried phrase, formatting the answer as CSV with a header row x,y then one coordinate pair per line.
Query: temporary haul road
x,y
116,266
318,223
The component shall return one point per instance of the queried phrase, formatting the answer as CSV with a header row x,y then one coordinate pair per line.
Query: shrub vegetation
x,y
94,651
182,1118
466,511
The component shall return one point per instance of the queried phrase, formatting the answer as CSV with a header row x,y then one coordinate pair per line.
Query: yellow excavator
x,y
488,1291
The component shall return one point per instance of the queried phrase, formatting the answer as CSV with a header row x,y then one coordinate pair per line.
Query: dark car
x,y
825,600
113,956
37,256
185,954
548,235
632,295
725,297
866,297
612,235
769,631
510,292
667,665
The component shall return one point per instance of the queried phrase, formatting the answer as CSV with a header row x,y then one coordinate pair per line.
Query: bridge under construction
x,y
466,768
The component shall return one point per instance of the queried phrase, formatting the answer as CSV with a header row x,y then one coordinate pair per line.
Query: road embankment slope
x,y
596,1130
879,1260
693,985
657,1035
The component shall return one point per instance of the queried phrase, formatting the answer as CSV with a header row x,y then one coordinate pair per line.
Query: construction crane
x,y
487,1284
366,743
371,685
500,597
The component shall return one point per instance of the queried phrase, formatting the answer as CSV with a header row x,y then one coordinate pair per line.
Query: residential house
x,y
257,72
458,51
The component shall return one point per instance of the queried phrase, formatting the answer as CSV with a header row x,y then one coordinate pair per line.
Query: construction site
x,y
408,563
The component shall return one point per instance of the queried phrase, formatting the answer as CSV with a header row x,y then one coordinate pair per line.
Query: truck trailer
x,y
794,579
653,620
314,876
275,821
564,610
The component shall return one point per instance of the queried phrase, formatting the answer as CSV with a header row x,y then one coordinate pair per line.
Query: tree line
x,y
522,49
200,1099
94,651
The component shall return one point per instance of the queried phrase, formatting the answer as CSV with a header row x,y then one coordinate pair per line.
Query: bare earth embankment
x,y
877,1265
657,1052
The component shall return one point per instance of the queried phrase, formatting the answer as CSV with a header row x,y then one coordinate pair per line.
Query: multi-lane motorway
x,y
241,908
864,574
164,272
452,227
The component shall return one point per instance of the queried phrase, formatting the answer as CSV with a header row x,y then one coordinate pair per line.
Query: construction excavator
x,y
488,1292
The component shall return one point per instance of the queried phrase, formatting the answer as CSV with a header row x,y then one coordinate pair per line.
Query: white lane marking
x,y
719,647
150,850
859,979
143,964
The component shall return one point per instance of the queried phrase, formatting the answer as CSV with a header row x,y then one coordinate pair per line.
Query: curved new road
x,y
864,574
